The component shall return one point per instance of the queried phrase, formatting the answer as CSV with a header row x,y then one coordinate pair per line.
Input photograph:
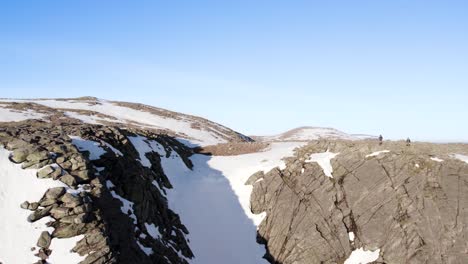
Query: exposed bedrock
x,y
407,203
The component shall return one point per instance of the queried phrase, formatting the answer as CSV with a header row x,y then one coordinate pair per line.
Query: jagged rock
x,y
47,202
25,205
45,172
60,212
252,179
33,206
85,208
44,240
69,230
81,218
55,193
68,180
71,201
82,175
38,214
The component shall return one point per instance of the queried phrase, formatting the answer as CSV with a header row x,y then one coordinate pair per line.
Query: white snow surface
x,y
94,148
153,231
361,256
61,250
324,160
436,159
351,236
129,115
18,235
213,201
461,157
374,154
9,115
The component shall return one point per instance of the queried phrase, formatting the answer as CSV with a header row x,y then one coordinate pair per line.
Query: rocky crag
x,y
408,202
87,207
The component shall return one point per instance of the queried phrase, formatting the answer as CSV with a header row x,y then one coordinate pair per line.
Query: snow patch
x,y
127,206
142,146
361,256
351,236
436,159
61,250
94,148
377,153
10,115
461,157
148,251
153,231
324,160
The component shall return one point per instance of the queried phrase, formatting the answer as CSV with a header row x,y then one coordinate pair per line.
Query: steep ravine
x,y
406,204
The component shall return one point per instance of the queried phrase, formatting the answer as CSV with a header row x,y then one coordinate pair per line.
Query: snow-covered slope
x,y
193,130
312,133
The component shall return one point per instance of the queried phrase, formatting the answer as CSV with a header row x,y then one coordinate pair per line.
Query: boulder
x,y
38,214
38,156
55,193
44,240
68,180
45,172
19,155
17,143
71,201
60,212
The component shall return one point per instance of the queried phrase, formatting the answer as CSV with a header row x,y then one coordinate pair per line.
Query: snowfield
x,y
461,157
8,115
18,185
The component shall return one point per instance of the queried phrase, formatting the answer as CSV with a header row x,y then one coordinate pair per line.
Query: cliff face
x,y
406,204
115,204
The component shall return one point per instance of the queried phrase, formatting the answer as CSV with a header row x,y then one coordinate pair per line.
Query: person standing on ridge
x,y
408,141
380,140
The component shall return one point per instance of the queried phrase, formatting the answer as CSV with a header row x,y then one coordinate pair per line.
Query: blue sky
x,y
399,68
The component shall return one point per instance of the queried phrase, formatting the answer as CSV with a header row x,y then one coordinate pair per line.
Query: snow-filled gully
x,y
213,201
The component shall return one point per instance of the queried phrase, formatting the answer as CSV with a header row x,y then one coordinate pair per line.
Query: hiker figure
x,y
408,142
380,140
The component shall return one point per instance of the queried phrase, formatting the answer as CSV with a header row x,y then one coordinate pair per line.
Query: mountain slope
x,y
196,130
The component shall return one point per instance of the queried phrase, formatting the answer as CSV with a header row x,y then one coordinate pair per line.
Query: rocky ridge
x,y
408,202
89,206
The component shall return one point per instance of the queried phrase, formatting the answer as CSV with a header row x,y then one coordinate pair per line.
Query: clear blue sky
x,y
397,67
